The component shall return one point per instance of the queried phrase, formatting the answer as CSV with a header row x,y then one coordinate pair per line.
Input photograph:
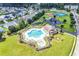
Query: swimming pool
x,y
35,36
35,33
60,14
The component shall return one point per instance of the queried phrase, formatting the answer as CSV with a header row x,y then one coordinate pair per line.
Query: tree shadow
x,y
2,39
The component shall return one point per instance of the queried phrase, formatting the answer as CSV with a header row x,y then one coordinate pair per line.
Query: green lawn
x,y
67,24
61,47
11,46
5,29
67,17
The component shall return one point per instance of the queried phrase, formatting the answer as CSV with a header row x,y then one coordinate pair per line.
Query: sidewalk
x,y
76,51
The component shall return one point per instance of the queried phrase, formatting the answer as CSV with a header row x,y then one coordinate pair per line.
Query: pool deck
x,y
41,42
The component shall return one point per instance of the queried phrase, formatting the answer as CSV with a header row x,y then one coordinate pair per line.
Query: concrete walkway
x,y
76,51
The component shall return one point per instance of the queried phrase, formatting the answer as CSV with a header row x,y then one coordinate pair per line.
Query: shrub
x,y
12,29
37,16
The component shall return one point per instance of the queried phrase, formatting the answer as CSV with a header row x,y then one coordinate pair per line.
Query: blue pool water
x,y
35,33
60,14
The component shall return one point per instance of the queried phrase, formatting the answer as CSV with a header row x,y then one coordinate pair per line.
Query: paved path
x,y
76,17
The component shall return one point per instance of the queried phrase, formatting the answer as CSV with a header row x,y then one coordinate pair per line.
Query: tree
x,y
12,29
54,16
72,18
26,13
22,24
1,35
43,12
37,16
52,5
64,21
68,10
78,11
71,14
73,22
44,19
29,21
33,7
71,25
62,26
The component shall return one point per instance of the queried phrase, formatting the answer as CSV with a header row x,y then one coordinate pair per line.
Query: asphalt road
x,y
76,18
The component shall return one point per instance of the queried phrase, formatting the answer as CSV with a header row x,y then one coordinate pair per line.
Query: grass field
x,y
67,24
67,17
12,47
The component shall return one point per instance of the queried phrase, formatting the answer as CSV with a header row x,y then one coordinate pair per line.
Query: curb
x,y
73,47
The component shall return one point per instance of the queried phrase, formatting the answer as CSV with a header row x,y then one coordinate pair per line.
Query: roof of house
x,y
48,27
